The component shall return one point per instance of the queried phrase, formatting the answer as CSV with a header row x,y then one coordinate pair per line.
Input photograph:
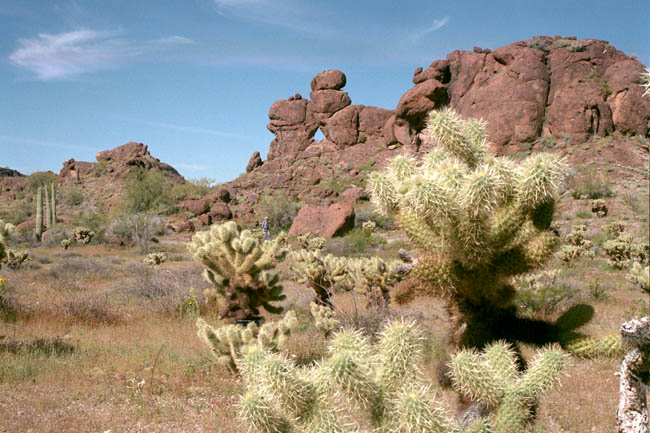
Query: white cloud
x,y
437,25
66,55
292,14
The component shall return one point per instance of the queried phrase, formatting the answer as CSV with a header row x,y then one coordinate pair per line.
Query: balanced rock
x,y
331,79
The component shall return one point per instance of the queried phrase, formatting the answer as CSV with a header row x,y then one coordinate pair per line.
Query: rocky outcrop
x,y
323,221
8,172
294,121
76,170
254,162
561,87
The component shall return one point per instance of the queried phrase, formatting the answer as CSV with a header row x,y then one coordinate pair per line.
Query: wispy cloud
x,y
41,143
69,54
185,128
192,167
292,14
436,25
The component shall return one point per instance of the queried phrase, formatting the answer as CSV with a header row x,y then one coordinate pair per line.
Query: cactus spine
x,y
479,220
241,270
38,230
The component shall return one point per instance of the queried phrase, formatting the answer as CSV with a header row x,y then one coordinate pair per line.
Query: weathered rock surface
x,y
323,221
551,86
254,162
294,121
330,79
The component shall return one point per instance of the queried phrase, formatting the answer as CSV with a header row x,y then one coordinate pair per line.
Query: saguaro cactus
x,y
479,220
48,213
53,206
38,230
241,270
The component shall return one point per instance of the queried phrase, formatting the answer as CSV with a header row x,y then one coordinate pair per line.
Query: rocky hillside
x,y
545,93
542,93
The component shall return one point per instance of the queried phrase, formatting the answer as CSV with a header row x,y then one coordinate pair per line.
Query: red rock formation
x,y
323,221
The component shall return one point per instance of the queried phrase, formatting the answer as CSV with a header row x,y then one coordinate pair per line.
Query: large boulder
x,y
343,127
323,221
293,126
220,211
197,206
328,102
331,79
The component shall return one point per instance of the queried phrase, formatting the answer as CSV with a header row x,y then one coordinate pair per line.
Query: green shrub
x,y
192,188
73,197
147,191
279,209
42,179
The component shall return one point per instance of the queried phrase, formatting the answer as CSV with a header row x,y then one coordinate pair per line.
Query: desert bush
x,y
56,235
56,346
593,186
192,188
365,213
539,293
241,270
479,220
310,242
73,197
8,304
355,242
598,291
41,179
93,310
280,210
136,229
147,190
76,273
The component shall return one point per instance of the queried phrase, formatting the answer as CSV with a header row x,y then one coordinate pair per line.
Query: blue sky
x,y
194,79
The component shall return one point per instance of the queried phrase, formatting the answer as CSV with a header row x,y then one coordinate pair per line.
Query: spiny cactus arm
x,y
400,352
501,359
258,413
583,346
513,414
544,372
39,213
401,168
415,411
640,276
539,178
465,141
476,379
324,318
222,343
383,192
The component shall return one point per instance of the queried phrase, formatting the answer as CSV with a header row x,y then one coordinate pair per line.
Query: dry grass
x,y
137,365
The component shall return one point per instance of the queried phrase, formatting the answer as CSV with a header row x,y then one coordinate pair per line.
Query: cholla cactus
x,y
310,242
320,272
82,235
227,342
537,280
324,319
614,228
587,347
154,259
619,251
241,269
599,207
479,220
65,243
578,246
640,276
6,231
369,226
3,253
382,388
492,378
16,258
374,278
